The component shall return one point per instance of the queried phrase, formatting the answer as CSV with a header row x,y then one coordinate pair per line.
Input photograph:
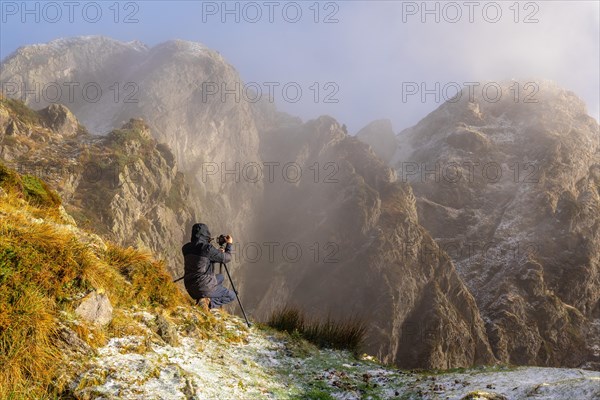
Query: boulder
x,y
61,120
95,308
166,330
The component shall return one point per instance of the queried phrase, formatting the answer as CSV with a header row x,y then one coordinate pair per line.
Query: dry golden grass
x,y
44,268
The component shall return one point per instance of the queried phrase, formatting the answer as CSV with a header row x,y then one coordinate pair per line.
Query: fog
x,y
353,61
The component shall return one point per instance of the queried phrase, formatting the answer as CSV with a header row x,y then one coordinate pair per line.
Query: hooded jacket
x,y
198,256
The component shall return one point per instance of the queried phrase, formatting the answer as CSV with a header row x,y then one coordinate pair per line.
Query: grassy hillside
x,y
47,265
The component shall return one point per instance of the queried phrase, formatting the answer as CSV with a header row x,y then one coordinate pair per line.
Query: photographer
x,y
199,255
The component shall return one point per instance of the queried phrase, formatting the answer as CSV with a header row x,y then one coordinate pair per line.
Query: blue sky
x,y
353,60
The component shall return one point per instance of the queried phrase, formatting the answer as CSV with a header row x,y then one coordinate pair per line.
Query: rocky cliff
x,y
510,190
358,249
381,137
124,185
83,318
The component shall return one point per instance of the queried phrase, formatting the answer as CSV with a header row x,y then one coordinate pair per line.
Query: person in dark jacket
x,y
200,280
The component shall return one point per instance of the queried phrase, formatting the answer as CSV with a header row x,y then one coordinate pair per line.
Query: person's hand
x,y
229,239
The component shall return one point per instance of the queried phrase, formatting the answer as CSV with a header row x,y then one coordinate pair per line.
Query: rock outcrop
x,y
124,185
95,308
510,190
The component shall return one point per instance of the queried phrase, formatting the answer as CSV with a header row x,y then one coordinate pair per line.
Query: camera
x,y
221,240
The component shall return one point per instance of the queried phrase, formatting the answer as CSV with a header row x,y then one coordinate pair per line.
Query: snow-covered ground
x,y
265,364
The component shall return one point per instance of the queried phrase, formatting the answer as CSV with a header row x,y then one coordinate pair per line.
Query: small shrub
x,y
345,334
287,319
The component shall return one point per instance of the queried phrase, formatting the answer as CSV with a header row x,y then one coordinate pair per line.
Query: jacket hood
x,y
200,232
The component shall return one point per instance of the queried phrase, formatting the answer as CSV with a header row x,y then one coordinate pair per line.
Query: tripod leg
x,y
236,295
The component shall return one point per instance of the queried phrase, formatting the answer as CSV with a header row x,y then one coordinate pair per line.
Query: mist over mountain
x,y
448,272
374,259
510,190
166,85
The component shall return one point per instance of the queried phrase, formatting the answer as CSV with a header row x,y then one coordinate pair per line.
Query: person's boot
x,y
214,308
204,303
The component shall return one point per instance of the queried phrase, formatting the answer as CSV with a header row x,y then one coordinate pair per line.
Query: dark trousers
x,y
220,295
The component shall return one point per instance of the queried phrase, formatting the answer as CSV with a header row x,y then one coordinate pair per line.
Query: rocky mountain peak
x,y
184,47
504,186
380,136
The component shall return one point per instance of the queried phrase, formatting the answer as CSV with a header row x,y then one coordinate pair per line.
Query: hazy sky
x,y
355,60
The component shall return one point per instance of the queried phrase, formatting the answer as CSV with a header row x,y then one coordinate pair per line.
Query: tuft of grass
x,y
287,319
94,336
123,325
29,188
345,334
151,285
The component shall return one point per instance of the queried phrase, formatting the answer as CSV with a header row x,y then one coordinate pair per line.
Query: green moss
x,y
38,193
318,390
317,394
410,396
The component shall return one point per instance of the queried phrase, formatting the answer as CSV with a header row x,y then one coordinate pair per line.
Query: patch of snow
x,y
264,366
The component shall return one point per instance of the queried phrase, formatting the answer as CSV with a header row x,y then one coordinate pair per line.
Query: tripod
x,y
236,293
232,286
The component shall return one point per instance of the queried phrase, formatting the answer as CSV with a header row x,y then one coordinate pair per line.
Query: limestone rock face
x,y
95,308
480,243
362,252
510,190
